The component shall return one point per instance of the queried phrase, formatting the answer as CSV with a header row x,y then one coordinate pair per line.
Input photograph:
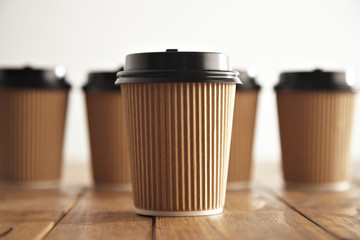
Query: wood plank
x,y
247,215
337,212
30,214
103,215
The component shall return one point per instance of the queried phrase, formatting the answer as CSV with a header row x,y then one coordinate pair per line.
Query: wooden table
x,y
264,212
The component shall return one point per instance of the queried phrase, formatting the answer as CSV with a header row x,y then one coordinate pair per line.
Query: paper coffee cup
x,y
179,109
108,136
315,118
32,118
241,150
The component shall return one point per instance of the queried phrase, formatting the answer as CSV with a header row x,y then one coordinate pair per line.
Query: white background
x,y
272,36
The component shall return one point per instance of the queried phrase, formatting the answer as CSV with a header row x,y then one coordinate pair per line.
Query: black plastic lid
x,y
173,66
29,78
248,82
315,80
102,81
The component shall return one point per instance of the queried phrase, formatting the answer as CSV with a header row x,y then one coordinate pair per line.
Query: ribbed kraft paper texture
x,y
108,138
315,131
31,134
180,140
242,136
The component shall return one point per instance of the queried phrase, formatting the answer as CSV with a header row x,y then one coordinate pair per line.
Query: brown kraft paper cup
x,y
179,140
108,139
315,131
241,149
31,136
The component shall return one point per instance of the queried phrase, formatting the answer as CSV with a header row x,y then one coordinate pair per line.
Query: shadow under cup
x,y
179,109
32,118
315,118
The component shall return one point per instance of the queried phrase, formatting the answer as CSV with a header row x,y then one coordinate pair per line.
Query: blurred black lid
x,y
30,78
316,80
174,66
248,81
102,81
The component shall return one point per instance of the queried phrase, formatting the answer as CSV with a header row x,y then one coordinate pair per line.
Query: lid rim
x,y
175,80
316,80
315,89
249,82
30,78
101,81
3,87
101,89
176,76
240,88
173,66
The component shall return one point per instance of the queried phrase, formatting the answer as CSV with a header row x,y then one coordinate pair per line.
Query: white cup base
x,y
237,186
123,187
179,213
319,187
30,184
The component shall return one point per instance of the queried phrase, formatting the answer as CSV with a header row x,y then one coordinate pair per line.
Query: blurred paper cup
x,y
242,139
108,137
315,118
179,109
33,106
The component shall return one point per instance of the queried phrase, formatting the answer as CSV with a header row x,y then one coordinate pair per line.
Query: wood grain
x,y
263,212
103,215
30,214
247,215
336,212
